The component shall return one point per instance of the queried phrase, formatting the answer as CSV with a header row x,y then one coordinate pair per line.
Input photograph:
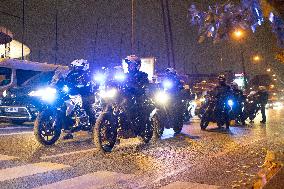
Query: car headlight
x,y
162,97
47,94
4,93
110,93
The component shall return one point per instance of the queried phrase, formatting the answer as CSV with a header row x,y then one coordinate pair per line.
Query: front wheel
x,y
47,129
147,132
178,122
158,129
105,133
204,123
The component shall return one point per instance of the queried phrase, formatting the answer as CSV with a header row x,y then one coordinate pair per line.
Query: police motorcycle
x,y
251,107
218,112
239,100
61,109
124,115
221,105
171,107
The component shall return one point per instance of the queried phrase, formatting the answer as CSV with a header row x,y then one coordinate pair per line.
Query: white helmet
x,y
80,64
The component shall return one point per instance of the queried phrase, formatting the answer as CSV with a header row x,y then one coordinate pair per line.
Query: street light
x,y
268,70
256,58
239,35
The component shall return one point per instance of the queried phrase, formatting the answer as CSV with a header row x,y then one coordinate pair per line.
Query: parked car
x,y
16,105
14,72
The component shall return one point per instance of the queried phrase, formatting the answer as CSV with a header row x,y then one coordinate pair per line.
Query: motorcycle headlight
x,y
47,94
167,84
230,102
110,93
162,97
120,77
65,88
100,78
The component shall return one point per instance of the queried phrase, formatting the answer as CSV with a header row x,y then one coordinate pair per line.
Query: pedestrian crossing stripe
x,y
6,158
29,169
94,180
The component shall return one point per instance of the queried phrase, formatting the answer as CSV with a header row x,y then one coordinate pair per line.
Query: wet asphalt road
x,y
194,159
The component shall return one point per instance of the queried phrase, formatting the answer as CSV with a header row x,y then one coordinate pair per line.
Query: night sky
x,y
77,28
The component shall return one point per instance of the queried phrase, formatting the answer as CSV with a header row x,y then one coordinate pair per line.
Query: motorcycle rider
x,y
262,94
78,81
137,81
135,89
174,85
239,97
222,89
220,93
172,77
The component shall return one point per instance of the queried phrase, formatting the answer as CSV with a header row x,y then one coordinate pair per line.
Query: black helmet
x,y
133,62
221,79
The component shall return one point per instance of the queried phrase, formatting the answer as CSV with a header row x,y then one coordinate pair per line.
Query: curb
x,y
277,181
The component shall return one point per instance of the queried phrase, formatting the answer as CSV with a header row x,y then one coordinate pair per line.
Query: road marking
x,y
6,158
66,154
94,180
19,133
12,128
29,169
189,185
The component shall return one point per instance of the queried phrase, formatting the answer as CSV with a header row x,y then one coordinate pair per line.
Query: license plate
x,y
11,109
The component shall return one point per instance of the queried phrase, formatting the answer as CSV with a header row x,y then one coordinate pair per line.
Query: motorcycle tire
x,y
158,129
105,123
178,125
147,133
228,125
204,123
42,136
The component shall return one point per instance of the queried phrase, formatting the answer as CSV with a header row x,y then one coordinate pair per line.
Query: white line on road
x,y
19,133
13,128
6,158
66,154
29,169
94,180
